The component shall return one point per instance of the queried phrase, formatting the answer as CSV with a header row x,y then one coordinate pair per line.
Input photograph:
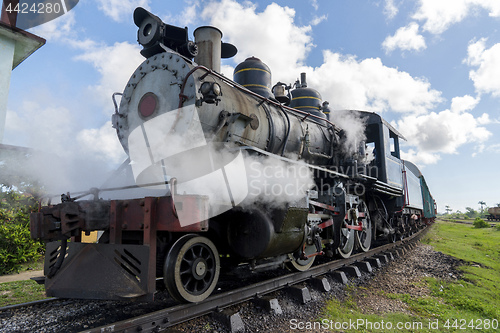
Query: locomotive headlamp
x,y
210,92
149,31
153,32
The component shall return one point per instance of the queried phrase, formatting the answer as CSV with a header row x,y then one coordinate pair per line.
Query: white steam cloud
x,y
225,178
354,127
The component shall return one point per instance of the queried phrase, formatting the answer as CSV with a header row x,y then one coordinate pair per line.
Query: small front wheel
x,y
191,269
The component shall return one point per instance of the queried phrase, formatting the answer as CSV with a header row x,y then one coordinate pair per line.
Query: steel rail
x,y
22,305
162,319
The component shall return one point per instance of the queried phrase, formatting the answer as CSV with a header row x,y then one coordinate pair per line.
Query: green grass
x,y
454,306
20,292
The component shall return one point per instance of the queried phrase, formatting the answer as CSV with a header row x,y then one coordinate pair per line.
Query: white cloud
x,y
121,10
495,148
390,9
484,119
314,3
486,76
343,80
490,150
369,85
101,143
475,51
188,15
464,103
317,20
115,63
61,28
263,34
420,157
441,133
440,15
406,39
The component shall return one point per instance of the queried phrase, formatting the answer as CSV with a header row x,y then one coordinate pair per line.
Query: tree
x,y
16,245
448,209
471,213
482,203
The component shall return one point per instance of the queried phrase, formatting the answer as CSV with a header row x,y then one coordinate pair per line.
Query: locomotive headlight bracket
x,y
211,92
153,32
150,28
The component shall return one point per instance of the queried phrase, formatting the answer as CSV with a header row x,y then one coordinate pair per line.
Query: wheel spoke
x,y
200,255
185,271
193,254
189,279
187,261
191,268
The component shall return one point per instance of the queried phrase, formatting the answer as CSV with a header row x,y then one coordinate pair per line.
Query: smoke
x,y
52,174
275,182
353,126
173,145
63,156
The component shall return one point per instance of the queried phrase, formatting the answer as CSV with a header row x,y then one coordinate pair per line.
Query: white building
x,y
15,46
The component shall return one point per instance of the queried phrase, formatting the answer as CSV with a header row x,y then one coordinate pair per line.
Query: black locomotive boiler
x,y
189,132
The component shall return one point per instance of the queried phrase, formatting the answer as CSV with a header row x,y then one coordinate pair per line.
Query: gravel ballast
x,y
399,276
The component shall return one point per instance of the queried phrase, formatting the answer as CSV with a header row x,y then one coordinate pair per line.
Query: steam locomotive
x,y
193,137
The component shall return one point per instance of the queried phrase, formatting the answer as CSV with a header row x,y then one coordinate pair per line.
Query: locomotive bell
x,y
279,93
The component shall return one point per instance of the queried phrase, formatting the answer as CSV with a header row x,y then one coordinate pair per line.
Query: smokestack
x,y
209,42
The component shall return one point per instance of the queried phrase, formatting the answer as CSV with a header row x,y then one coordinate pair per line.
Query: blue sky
x,y
430,67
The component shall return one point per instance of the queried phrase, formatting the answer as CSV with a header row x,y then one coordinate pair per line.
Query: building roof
x,y
26,43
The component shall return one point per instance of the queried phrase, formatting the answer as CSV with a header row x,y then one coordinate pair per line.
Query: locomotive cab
x,y
383,155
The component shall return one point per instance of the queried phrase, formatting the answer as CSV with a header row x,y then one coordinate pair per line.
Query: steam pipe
x,y
287,132
239,87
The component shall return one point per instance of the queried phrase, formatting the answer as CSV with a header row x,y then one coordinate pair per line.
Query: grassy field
x,y
471,304
22,291
452,219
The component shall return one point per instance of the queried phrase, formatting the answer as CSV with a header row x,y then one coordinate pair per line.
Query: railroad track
x,y
163,319
32,303
158,320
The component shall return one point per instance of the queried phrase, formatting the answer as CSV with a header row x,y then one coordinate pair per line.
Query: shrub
x,y
16,245
497,227
480,223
